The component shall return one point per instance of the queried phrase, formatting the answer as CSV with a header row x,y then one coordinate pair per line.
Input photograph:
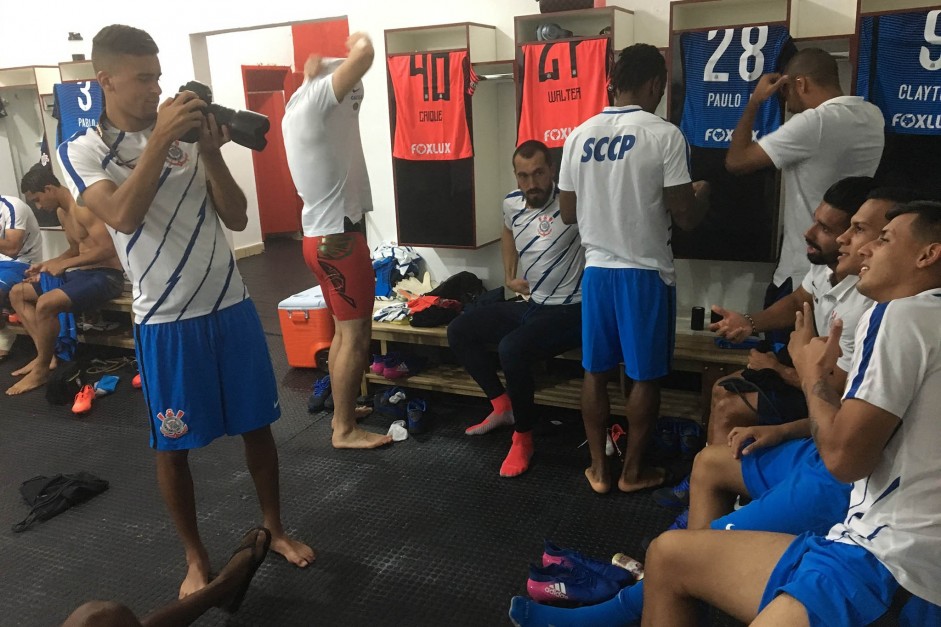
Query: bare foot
x,y
648,478
293,551
35,379
358,438
599,483
25,369
32,365
197,577
359,412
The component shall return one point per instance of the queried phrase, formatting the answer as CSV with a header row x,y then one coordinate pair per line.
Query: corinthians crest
x,y
545,225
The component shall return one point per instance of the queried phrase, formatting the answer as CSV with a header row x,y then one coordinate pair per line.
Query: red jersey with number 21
x,y
564,84
430,116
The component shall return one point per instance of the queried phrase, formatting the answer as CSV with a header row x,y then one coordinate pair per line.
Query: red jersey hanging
x,y
430,112
564,84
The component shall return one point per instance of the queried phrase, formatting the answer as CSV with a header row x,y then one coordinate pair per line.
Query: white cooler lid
x,y
308,299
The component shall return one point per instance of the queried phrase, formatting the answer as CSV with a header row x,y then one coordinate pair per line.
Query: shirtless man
x,y
90,271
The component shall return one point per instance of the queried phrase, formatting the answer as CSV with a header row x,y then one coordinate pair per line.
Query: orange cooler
x,y
306,326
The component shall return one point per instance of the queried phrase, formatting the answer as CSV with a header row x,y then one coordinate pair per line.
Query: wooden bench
x,y
692,353
122,337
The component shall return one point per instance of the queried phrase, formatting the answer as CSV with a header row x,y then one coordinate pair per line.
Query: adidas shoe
x,y
319,394
675,497
568,558
378,364
558,585
415,416
681,522
83,399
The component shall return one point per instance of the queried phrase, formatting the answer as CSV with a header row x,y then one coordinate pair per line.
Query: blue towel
x,y
67,340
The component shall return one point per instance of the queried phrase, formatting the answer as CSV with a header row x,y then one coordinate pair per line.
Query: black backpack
x,y
64,383
50,496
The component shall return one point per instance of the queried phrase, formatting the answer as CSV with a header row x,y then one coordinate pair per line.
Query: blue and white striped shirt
x,y
552,259
178,260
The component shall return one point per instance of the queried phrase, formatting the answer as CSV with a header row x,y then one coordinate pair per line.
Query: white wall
x,y
173,21
227,53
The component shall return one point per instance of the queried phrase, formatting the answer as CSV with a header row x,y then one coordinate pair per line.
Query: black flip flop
x,y
249,542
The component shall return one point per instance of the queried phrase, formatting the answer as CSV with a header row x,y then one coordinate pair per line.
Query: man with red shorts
x,y
325,156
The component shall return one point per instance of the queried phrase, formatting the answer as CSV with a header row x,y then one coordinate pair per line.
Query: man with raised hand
x,y
325,156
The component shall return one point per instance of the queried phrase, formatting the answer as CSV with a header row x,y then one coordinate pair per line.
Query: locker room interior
x,y
375,538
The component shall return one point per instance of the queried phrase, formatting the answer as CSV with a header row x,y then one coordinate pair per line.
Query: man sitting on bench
x,y
20,246
90,273
548,320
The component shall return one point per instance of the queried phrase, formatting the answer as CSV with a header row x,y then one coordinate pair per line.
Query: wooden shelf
x,y
119,339
550,391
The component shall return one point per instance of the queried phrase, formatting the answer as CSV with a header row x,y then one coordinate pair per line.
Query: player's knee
x,y
664,553
707,465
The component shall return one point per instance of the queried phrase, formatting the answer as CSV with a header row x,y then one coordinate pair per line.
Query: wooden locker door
x,y
279,206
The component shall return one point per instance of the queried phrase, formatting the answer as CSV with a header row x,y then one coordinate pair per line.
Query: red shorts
x,y
343,267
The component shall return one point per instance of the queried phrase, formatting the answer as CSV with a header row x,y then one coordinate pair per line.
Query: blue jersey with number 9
x,y
900,70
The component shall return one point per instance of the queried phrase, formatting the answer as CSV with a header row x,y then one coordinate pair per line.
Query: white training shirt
x,y
551,255
178,260
814,149
895,513
841,301
16,214
325,153
618,163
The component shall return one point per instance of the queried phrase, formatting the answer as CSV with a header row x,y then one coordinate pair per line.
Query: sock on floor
x,y
521,451
490,423
501,404
621,611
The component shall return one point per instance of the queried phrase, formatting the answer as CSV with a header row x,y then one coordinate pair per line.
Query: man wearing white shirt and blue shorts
x,y
624,175
881,434
203,356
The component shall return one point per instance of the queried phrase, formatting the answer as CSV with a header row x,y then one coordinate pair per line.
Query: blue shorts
x,y
89,289
793,492
628,316
11,273
838,584
206,377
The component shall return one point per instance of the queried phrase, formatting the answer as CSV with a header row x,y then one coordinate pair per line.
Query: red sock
x,y
517,460
501,404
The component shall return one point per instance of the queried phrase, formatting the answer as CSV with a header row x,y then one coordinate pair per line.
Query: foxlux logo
x,y
431,149
917,120
617,147
724,134
557,134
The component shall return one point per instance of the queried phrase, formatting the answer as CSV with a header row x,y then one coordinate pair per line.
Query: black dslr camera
x,y
246,128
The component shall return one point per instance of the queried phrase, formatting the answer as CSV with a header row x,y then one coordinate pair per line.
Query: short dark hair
x,y
36,179
816,64
849,194
637,65
927,224
117,39
528,150
897,195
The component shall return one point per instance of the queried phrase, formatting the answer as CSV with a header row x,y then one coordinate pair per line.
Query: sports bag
x,y
50,496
